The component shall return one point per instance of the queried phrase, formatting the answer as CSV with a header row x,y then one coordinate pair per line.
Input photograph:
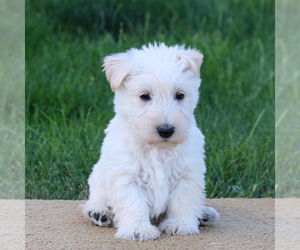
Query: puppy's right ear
x,y
194,59
116,67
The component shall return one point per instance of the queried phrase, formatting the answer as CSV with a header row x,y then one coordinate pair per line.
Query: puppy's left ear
x,y
194,59
116,67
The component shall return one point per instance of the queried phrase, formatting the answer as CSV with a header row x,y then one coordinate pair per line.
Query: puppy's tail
x,y
209,216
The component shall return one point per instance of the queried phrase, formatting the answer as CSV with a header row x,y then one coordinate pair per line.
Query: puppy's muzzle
x,y
165,131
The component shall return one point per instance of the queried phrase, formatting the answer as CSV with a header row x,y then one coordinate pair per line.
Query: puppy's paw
x,y
98,214
209,216
102,219
142,232
174,227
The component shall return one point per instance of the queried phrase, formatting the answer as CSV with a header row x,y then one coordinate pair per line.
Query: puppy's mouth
x,y
165,143
165,136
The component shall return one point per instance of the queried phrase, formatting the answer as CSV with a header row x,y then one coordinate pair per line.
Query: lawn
x,y
12,90
69,102
287,123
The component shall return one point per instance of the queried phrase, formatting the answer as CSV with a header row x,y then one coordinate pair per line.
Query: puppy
x,y
150,176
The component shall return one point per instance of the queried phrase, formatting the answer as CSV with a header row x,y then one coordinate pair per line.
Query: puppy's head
x,y
156,91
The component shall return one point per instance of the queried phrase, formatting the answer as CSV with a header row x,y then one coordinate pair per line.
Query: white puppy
x,y
151,169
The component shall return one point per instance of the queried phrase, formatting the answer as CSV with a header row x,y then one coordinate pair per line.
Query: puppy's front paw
x,y
174,227
142,232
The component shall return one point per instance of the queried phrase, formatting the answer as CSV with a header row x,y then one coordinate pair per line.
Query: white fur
x,y
141,175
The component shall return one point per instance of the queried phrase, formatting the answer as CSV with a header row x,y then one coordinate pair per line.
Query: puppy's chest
x,y
157,180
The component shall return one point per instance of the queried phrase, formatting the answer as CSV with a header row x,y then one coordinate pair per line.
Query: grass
x,y
69,102
287,100
12,73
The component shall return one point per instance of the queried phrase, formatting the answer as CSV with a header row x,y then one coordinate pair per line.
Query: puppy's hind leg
x,y
209,216
100,215
96,209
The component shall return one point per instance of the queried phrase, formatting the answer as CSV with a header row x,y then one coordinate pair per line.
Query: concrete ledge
x,y
243,224
287,214
12,224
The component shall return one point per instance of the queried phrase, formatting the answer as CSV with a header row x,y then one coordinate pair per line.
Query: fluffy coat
x,y
151,169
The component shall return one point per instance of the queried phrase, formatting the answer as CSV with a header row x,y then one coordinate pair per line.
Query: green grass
x,y
12,72
69,102
287,99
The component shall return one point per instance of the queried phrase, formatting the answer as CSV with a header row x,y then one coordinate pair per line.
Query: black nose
x,y
165,131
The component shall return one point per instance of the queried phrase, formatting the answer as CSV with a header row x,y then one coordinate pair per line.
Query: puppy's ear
x,y
116,67
193,58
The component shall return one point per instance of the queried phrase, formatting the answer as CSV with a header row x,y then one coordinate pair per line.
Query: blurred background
x,y
69,102
12,100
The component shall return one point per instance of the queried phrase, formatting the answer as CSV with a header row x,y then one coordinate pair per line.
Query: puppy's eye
x,y
145,97
179,96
